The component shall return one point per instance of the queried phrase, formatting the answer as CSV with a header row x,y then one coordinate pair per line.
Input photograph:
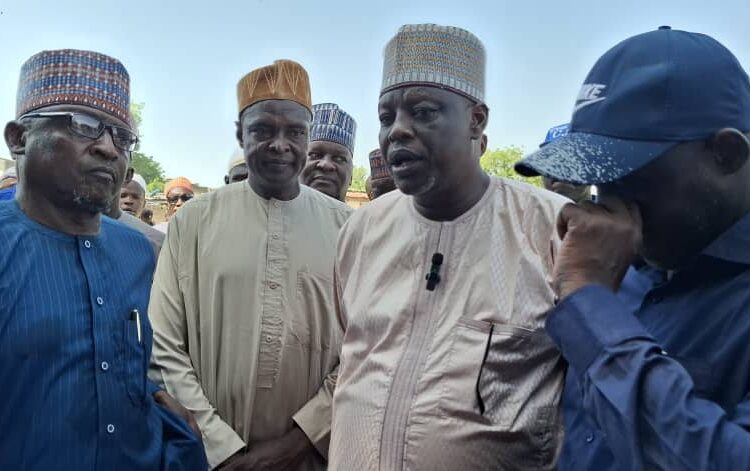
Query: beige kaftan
x,y
463,377
245,334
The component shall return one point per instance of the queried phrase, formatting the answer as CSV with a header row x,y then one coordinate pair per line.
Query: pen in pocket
x,y
136,316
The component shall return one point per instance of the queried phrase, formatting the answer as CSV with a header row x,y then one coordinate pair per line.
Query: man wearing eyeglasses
x,y
178,192
75,339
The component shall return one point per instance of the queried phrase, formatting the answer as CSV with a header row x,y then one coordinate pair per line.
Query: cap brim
x,y
590,159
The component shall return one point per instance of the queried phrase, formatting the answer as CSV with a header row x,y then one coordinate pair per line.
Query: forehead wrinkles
x,y
278,113
411,96
391,98
405,96
328,148
268,119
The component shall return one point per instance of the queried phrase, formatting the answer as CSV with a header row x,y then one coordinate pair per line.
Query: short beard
x,y
82,198
426,186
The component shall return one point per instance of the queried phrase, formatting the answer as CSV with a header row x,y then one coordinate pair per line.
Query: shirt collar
x,y
733,245
48,231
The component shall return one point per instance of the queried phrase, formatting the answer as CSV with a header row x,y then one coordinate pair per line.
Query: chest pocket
x,y
498,373
314,315
133,359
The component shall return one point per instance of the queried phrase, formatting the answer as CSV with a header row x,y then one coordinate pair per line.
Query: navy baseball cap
x,y
643,97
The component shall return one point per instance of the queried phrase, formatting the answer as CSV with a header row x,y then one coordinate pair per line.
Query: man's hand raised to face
x,y
599,242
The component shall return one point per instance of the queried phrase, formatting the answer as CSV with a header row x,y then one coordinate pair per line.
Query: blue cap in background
x,y
556,133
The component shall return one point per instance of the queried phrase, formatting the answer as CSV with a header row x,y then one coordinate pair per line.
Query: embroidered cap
x,y
73,77
378,166
331,123
283,80
434,55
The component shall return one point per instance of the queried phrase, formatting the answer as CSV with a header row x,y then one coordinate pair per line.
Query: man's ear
x,y
480,115
15,138
731,149
239,132
128,176
351,175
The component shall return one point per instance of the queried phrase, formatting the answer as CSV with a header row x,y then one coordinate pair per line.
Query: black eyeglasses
x,y
85,125
185,197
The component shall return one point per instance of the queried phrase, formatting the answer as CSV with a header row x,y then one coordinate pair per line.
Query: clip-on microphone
x,y
433,278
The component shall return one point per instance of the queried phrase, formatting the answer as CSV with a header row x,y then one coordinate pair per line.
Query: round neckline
x,y
460,219
48,231
275,201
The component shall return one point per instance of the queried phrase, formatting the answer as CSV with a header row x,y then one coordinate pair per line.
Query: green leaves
x,y
147,167
359,176
499,162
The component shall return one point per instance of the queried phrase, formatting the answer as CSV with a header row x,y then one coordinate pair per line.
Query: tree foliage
x,y
359,176
136,112
145,165
155,186
499,162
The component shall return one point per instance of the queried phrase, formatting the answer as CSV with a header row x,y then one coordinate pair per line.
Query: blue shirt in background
x,y
8,193
75,343
659,374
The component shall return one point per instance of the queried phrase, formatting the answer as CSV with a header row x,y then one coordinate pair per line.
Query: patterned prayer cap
x,y
179,182
378,167
331,123
434,55
283,80
73,77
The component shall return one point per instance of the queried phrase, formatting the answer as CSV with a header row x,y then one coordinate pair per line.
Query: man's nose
x,y
326,164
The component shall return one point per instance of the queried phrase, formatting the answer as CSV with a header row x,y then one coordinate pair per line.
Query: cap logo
x,y
557,132
589,94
